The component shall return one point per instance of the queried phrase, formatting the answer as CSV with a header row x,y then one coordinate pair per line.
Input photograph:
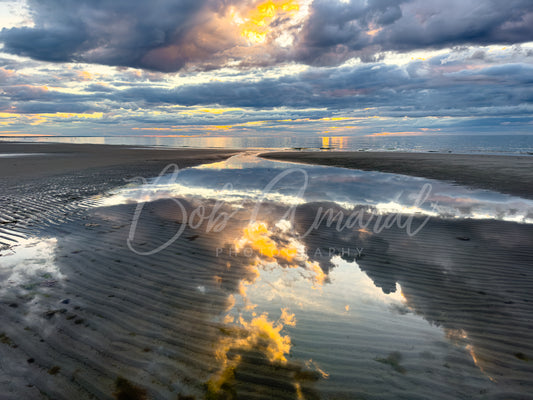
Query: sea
x,y
462,144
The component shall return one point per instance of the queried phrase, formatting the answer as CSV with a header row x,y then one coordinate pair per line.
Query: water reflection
x,y
385,193
17,155
266,307
379,289
249,327
388,283
29,273
30,263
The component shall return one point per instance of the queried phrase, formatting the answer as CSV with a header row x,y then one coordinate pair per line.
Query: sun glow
x,y
256,26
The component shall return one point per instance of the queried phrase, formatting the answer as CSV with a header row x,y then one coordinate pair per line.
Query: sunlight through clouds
x,y
219,68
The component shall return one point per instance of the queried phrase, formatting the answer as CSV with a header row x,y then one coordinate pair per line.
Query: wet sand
x,y
58,179
48,159
92,319
504,174
159,321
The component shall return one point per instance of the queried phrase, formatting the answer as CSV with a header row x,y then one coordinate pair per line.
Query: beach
x,y
47,159
41,178
288,200
173,291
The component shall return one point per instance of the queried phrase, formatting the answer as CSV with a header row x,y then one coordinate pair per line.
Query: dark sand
x,y
65,158
35,189
505,174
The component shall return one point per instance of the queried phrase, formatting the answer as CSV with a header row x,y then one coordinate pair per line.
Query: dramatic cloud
x,y
114,33
328,67
169,35
338,30
420,87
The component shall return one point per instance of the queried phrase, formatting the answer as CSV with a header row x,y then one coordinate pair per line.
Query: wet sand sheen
x,y
62,179
159,321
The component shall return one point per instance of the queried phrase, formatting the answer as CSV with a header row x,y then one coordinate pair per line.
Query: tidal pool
x,y
258,279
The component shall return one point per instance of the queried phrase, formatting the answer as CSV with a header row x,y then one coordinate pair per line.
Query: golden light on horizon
x,y
11,118
404,133
336,142
12,134
216,111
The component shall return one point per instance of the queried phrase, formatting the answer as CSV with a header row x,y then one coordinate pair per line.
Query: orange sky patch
x,y
406,133
9,134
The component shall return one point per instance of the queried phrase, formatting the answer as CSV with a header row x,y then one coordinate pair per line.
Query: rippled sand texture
x,y
234,308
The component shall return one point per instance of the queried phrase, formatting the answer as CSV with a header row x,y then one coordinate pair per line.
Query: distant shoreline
x,y
518,144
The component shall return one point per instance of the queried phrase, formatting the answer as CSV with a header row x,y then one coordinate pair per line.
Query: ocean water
x,y
465,144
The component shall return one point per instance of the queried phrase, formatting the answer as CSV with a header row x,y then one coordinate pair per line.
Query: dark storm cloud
x,y
435,87
336,31
118,32
24,93
24,98
166,35
366,85
457,22
47,44
56,107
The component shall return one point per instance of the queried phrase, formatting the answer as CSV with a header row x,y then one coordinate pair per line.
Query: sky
x,y
276,67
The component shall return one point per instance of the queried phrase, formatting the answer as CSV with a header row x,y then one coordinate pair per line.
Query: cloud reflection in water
x,y
390,307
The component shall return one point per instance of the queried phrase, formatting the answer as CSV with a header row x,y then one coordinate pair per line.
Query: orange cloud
x,y
257,24
7,73
257,236
84,75
318,277
12,134
406,133
219,127
210,111
287,318
37,119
